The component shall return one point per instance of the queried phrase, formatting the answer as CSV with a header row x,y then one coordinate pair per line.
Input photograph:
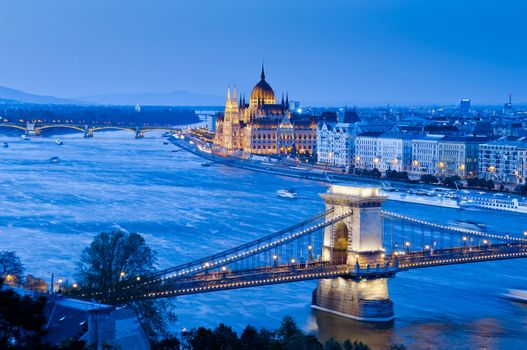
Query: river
x,y
51,211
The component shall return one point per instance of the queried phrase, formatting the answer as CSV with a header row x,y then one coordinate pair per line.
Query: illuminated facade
x,y
503,160
263,126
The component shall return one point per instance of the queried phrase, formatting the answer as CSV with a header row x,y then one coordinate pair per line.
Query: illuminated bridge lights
x,y
450,228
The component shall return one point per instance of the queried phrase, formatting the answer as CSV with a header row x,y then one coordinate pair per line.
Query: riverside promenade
x,y
296,170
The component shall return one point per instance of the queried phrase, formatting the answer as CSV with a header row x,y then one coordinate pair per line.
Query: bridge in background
x,y
352,248
88,131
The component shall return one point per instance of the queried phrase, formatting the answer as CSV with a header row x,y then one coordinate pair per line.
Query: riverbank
x,y
397,190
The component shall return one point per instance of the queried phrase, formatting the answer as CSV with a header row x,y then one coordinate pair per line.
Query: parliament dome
x,y
262,91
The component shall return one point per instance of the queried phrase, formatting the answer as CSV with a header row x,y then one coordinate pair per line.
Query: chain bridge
x,y
33,129
352,249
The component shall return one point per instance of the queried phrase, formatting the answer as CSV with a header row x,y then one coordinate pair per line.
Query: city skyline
x,y
350,53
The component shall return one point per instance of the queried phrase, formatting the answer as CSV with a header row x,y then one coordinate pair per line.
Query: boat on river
x,y
288,194
419,196
6,145
24,137
497,201
518,295
59,142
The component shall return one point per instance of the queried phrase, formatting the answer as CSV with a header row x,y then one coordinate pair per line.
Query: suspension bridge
x,y
352,249
33,129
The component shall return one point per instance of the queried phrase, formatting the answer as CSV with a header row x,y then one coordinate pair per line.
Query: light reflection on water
x,y
51,211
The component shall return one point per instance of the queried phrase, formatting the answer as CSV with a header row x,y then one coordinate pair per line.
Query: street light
x,y
75,285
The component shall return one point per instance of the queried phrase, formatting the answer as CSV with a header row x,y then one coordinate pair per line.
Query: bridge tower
x,y
30,129
356,241
87,131
139,133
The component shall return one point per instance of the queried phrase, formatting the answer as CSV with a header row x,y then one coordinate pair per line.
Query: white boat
x,y
54,159
59,142
516,295
289,194
24,137
417,197
494,202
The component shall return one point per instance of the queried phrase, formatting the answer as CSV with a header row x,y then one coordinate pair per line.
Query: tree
x,y
490,185
332,344
451,181
72,344
170,343
115,258
295,342
22,320
429,179
356,345
287,329
521,189
311,343
251,339
202,339
226,338
397,347
11,268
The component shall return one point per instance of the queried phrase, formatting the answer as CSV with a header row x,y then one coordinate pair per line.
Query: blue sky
x,y
342,51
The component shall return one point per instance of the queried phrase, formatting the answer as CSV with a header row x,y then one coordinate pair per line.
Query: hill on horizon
x,y
9,94
173,98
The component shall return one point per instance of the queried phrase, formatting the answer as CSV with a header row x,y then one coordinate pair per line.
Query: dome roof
x,y
263,91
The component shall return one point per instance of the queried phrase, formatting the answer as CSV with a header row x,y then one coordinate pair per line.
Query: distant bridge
x,y
88,131
352,249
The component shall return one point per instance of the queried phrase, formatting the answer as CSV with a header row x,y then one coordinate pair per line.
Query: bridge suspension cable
x,y
245,250
432,225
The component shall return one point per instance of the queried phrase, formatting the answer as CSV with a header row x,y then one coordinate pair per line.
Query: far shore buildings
x,y
336,140
504,159
262,126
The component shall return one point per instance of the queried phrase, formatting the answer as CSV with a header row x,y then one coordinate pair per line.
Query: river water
x,y
51,211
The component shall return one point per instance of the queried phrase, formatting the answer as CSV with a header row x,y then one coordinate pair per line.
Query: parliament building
x,y
263,126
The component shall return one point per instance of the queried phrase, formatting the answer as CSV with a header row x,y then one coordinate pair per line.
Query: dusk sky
x,y
349,51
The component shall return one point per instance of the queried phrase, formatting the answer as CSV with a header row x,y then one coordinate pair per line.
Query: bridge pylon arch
x,y
360,299
31,129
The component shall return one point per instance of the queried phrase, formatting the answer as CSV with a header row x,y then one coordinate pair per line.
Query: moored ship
x,y
494,202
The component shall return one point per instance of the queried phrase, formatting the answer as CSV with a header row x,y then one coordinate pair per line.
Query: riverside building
x,y
336,141
383,151
425,154
503,160
458,156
